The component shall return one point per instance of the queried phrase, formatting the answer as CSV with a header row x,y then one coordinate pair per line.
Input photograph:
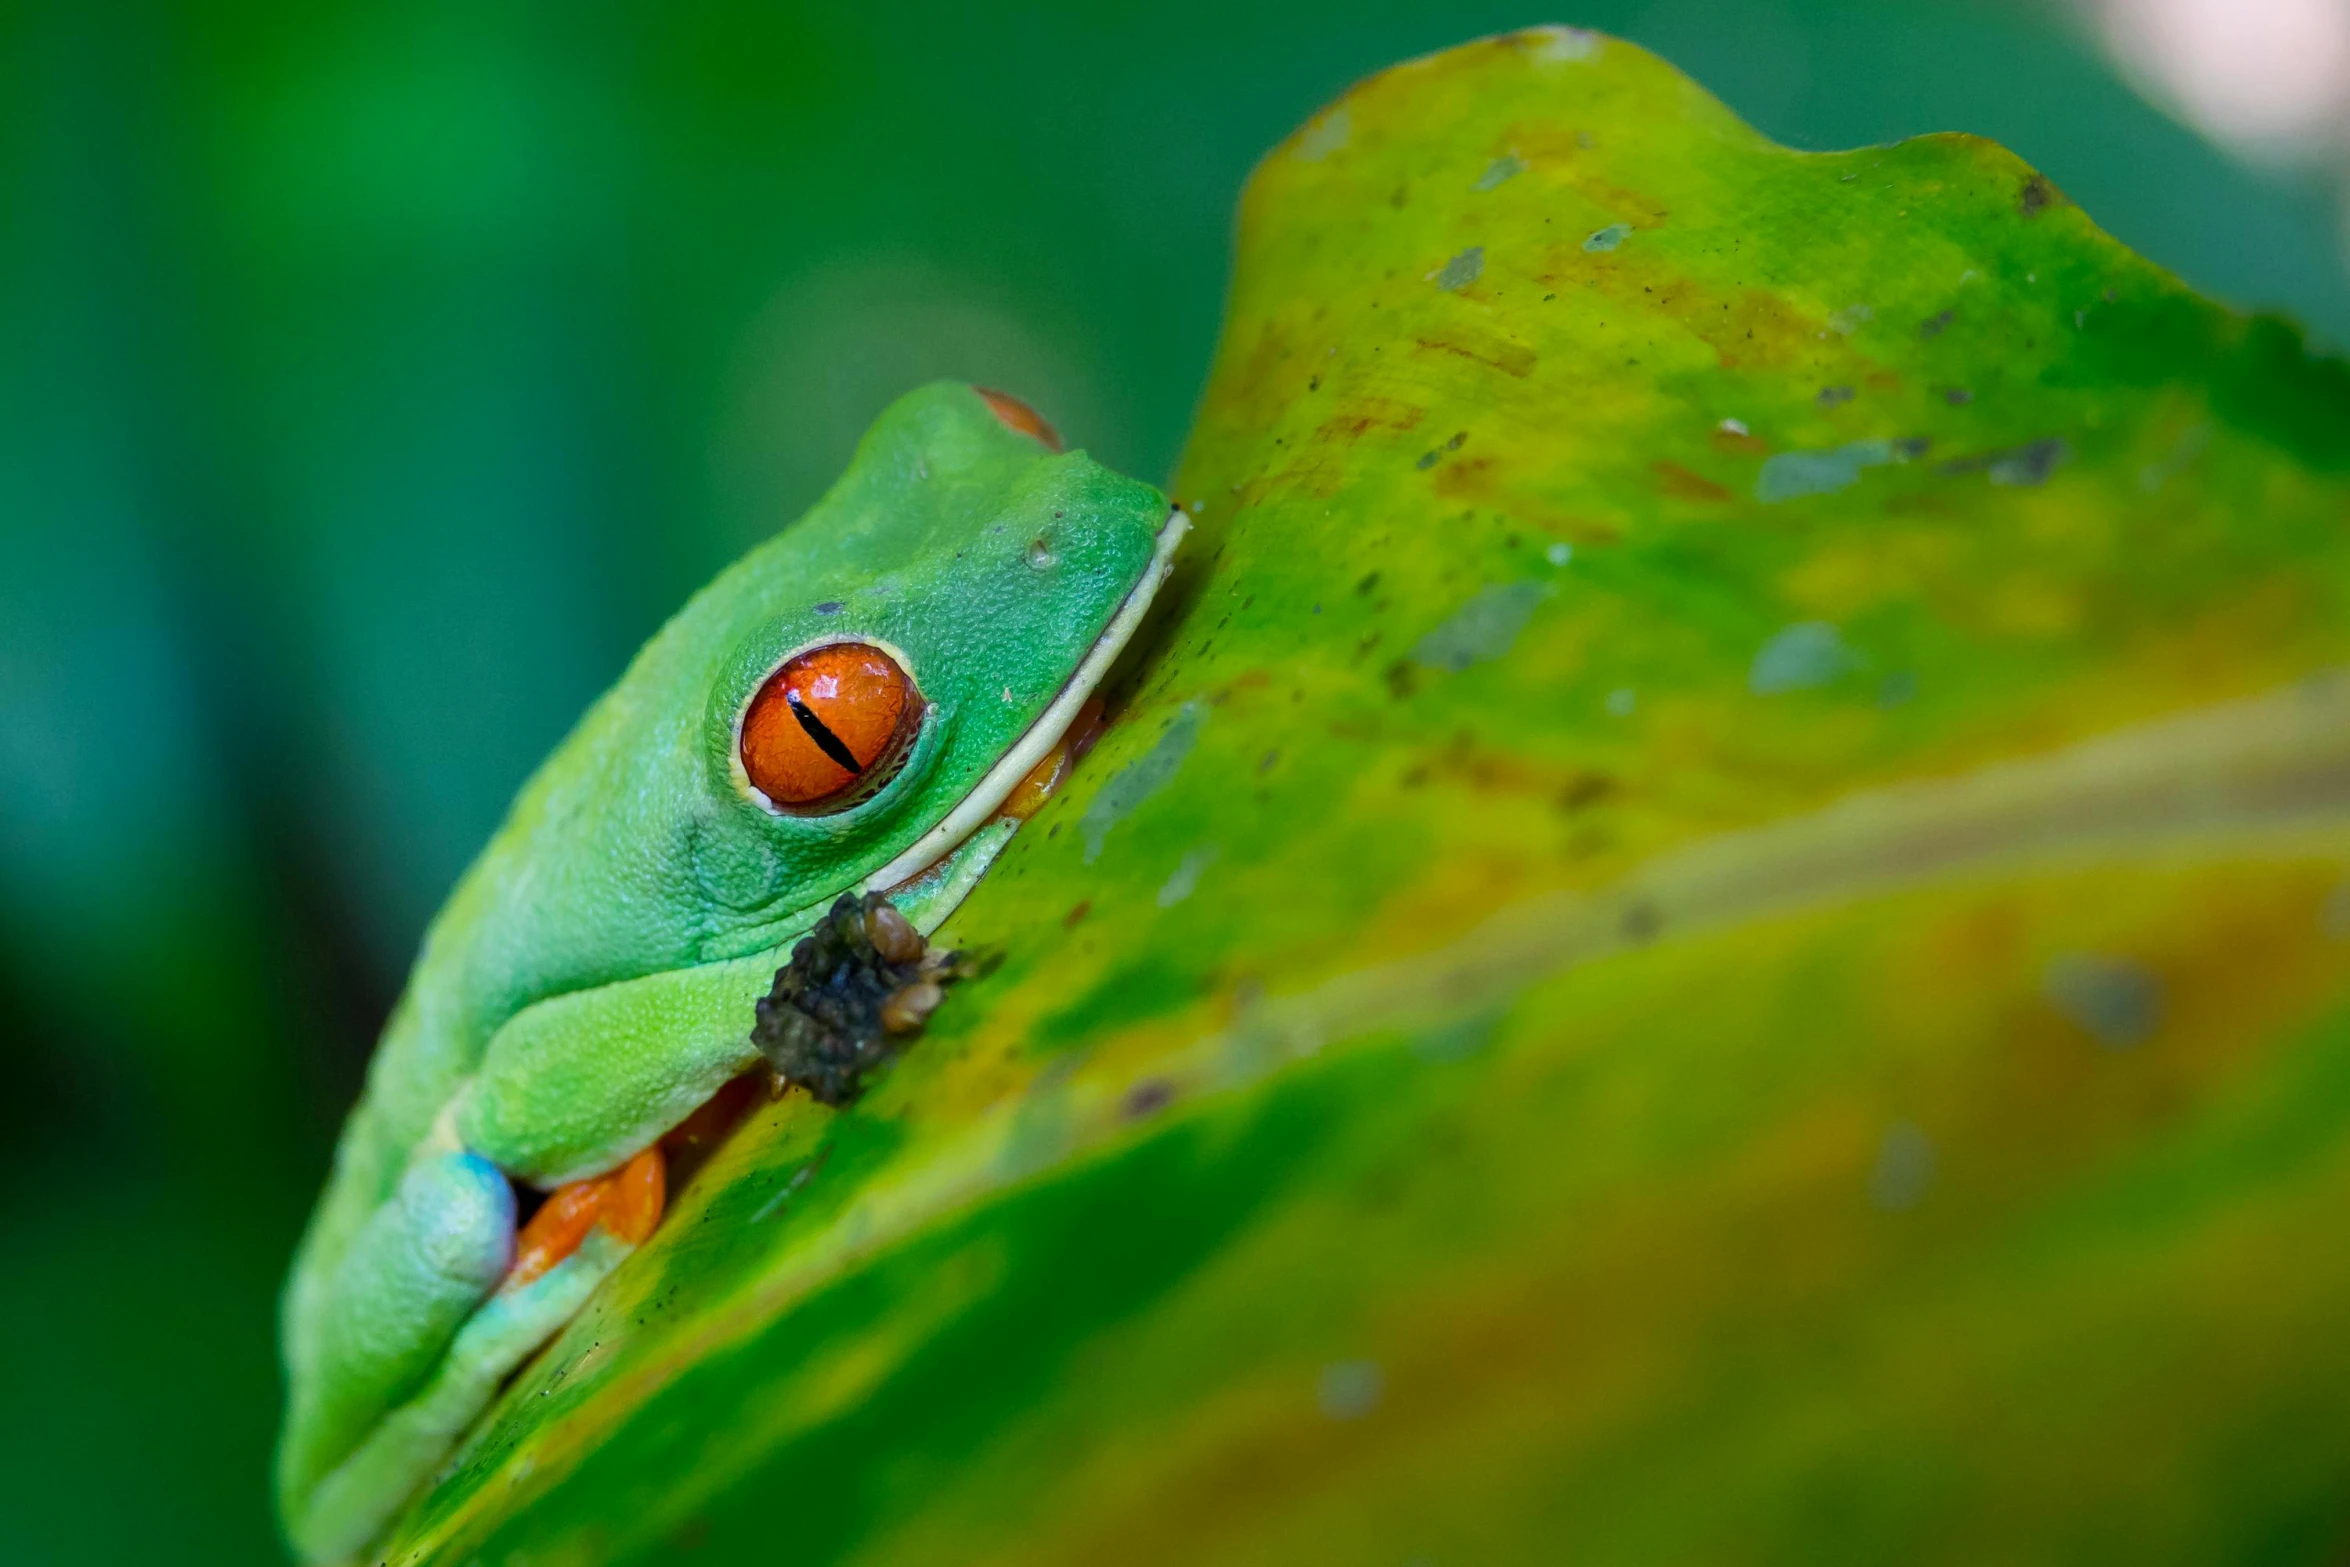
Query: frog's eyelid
x,y
1016,764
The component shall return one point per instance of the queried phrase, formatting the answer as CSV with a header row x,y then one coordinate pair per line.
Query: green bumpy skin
x,y
591,979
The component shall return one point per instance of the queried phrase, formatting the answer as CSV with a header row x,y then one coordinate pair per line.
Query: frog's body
x,y
592,979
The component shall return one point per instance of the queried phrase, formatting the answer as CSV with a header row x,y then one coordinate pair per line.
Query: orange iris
x,y
829,728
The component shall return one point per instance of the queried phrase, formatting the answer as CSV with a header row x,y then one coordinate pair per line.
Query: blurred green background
x,y
371,385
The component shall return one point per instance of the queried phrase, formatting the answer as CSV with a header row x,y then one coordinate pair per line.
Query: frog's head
x,y
840,709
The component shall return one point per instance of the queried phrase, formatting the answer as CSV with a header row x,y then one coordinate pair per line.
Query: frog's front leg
x,y
573,1086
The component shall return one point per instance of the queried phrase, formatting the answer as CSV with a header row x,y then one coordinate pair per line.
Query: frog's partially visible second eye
x,y
1017,415
829,728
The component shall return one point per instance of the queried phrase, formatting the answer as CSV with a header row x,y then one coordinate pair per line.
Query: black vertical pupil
x,y
826,741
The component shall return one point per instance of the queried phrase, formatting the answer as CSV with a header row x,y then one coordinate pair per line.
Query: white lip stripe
x,y
1016,764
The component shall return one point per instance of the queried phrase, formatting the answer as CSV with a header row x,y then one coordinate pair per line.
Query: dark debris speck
x,y
1148,1097
2023,467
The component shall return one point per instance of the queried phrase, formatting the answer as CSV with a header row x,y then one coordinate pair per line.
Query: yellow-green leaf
x,y
1714,926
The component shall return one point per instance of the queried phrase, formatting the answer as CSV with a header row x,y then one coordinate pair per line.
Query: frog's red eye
x,y
829,728
1017,415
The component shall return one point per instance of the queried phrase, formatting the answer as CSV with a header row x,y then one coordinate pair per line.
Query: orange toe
x,y
639,1191
627,1202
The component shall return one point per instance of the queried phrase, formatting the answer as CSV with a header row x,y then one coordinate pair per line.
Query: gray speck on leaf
x,y
1793,474
783,1193
1904,1168
1499,170
1558,44
1802,657
1621,702
1833,396
1462,270
2115,999
1483,628
1140,778
1326,135
2190,446
2017,465
1185,879
1350,1389
1430,459
1460,1038
2031,465
1609,238
1934,326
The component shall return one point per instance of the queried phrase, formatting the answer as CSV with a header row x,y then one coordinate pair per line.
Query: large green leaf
x,y
1714,926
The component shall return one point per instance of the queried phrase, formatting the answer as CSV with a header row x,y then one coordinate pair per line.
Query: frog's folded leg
x,y
409,1344
412,1275
350,1503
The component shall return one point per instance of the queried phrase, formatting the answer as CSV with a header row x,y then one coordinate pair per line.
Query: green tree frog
x,y
846,708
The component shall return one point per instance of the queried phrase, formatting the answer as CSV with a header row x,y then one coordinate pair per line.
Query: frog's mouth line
x,y
989,794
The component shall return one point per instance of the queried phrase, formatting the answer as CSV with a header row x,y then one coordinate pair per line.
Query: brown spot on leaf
x,y
1585,790
1247,680
1540,142
1757,330
2038,195
1499,353
1682,484
1363,415
1459,479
